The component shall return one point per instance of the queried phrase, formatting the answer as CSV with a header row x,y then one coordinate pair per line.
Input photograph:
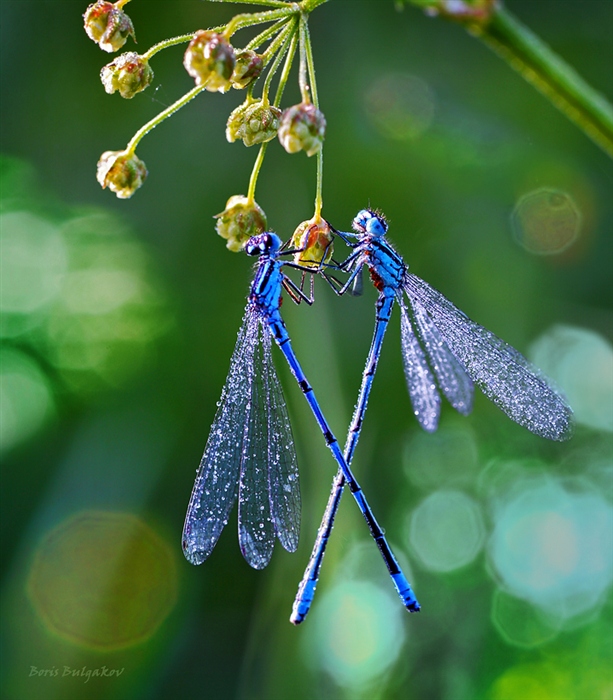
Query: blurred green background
x,y
119,318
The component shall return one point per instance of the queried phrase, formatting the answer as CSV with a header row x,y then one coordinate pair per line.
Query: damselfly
x,y
443,351
250,454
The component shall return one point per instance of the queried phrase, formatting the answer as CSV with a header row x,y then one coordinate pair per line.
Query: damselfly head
x,y
263,244
370,222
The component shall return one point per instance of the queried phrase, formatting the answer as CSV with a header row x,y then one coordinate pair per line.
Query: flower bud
x,y
108,26
128,73
240,220
302,128
253,122
313,240
122,172
210,60
247,69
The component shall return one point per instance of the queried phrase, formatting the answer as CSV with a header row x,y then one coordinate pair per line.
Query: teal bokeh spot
x,y
580,362
355,633
554,547
446,531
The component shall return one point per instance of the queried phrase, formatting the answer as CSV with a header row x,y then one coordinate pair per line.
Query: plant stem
x,y
319,200
546,71
257,41
265,3
255,172
275,45
302,73
144,130
250,18
168,42
287,67
310,5
285,36
311,65
307,53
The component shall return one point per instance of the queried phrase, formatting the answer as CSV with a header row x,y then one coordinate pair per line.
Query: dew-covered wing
x,y
284,486
503,374
256,534
451,377
425,399
216,486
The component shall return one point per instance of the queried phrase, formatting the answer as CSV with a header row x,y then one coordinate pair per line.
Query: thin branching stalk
x,y
311,65
302,73
184,38
264,3
546,71
264,36
319,200
144,130
255,172
286,69
275,45
287,44
250,19
309,5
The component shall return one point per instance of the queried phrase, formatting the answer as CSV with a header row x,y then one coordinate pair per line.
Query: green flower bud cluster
x,y
313,241
210,60
128,74
302,128
122,172
247,69
253,122
240,220
108,26
216,66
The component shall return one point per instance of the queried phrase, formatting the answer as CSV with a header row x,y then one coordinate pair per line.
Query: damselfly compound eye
x,y
360,220
254,245
368,221
376,225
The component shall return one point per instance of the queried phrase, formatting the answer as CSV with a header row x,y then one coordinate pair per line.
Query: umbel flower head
x,y
108,26
122,172
240,220
128,73
210,60
253,122
247,69
302,128
313,240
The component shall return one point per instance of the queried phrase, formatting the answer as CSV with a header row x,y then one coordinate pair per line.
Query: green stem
x,y
264,3
547,72
311,64
309,5
255,172
170,42
250,18
302,73
275,45
257,41
288,35
144,130
319,200
286,68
